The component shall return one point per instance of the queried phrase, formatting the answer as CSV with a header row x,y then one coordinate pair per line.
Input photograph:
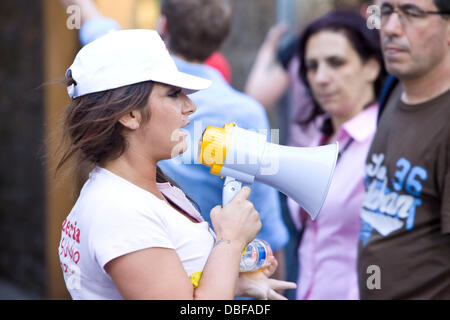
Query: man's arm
x,y
268,80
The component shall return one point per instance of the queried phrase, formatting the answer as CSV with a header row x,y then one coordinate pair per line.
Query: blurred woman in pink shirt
x,y
341,65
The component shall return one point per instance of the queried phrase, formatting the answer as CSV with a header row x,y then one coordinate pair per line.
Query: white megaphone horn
x,y
303,174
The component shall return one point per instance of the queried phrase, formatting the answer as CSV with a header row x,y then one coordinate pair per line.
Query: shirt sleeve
x,y
122,231
95,28
445,204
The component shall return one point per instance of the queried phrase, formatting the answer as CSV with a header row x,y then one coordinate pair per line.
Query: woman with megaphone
x,y
342,68
132,233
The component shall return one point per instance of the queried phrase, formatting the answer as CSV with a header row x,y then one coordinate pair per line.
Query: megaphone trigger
x,y
231,188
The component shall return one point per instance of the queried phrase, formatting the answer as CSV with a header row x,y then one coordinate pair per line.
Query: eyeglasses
x,y
407,13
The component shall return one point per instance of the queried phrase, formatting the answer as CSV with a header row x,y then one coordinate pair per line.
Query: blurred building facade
x,y
35,48
22,192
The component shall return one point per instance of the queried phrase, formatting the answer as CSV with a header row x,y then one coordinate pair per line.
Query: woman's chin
x,y
330,107
180,148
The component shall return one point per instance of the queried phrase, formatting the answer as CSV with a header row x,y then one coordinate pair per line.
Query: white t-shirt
x,y
113,217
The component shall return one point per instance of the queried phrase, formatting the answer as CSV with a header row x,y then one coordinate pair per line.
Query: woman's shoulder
x,y
106,196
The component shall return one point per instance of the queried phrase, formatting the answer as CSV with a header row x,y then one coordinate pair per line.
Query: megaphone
x,y
243,156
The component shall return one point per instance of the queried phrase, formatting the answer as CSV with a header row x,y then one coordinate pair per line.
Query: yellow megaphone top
x,y
212,147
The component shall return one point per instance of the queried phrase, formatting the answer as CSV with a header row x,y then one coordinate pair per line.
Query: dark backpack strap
x,y
389,85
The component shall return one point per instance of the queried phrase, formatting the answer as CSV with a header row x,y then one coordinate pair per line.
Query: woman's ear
x,y
372,69
131,120
161,27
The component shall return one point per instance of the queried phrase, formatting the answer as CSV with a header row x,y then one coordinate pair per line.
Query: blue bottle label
x,y
261,255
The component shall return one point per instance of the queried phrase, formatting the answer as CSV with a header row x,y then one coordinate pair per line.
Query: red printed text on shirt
x,y
70,238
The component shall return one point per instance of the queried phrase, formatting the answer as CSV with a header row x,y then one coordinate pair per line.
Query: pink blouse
x,y
328,250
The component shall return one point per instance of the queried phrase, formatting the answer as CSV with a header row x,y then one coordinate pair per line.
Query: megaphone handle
x,y
231,187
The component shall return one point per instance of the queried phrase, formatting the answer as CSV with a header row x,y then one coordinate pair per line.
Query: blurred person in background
x,y
192,31
404,247
281,64
342,68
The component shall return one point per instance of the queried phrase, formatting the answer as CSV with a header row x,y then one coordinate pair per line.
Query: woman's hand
x,y
237,221
257,284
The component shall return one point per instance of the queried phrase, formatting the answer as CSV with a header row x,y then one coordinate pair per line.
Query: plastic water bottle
x,y
255,256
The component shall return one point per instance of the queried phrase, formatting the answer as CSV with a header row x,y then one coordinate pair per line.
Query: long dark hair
x,y
365,41
443,6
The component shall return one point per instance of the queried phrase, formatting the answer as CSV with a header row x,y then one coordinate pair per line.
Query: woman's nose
x,y
392,26
189,106
322,75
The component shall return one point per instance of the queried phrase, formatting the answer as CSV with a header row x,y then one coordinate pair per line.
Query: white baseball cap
x,y
125,57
